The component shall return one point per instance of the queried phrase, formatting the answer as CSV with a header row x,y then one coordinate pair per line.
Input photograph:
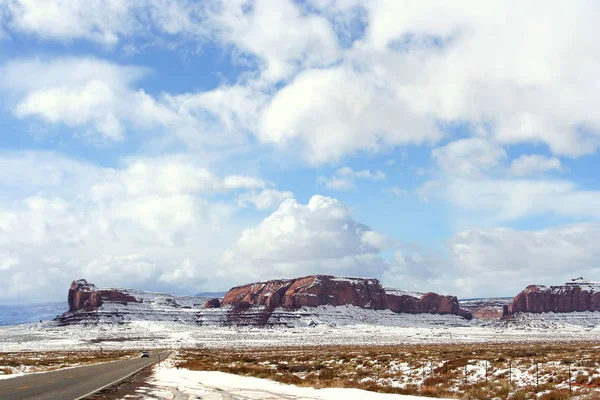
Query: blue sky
x,y
191,146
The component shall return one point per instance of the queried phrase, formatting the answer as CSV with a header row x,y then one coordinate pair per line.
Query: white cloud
x,y
420,70
502,200
278,33
474,69
534,163
8,261
520,258
344,178
167,175
99,99
116,270
339,111
186,275
468,157
265,199
231,109
101,21
93,96
475,178
302,239
104,22
61,219
391,86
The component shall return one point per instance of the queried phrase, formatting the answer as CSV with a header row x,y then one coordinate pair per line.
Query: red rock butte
x,y
578,295
320,290
86,296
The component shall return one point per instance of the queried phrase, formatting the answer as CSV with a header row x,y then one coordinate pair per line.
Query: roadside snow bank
x,y
174,383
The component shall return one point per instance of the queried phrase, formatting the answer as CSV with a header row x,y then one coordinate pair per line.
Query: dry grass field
x,y
474,371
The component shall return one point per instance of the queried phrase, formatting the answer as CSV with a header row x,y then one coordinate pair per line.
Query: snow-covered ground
x,y
168,382
328,329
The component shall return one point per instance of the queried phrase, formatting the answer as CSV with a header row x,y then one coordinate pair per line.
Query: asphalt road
x,y
72,383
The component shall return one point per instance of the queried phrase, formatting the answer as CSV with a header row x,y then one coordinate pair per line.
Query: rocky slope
x,y
577,295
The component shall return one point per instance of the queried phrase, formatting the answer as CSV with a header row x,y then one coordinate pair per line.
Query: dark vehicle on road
x,y
145,354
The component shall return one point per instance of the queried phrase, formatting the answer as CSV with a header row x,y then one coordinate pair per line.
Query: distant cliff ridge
x,y
252,304
577,295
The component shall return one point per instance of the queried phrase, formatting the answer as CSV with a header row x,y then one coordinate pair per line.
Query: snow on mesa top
x,y
577,295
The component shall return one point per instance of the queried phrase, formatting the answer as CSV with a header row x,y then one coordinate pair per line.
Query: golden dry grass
x,y
428,370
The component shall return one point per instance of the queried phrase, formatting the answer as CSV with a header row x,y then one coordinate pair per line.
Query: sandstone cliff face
x,y
86,296
319,290
579,295
310,291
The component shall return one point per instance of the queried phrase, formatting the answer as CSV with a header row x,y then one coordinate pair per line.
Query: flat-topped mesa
x,y
415,303
577,295
320,290
86,296
309,291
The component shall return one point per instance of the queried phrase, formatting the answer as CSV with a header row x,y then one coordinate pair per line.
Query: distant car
x,y
145,354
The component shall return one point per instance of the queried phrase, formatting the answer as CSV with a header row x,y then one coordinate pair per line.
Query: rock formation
x,y
578,295
309,291
86,296
212,303
320,290
427,303
283,302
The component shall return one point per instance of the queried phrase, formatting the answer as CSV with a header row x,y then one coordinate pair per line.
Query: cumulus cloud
x,y
100,22
115,270
344,178
473,176
188,275
468,157
298,239
278,34
393,78
338,111
168,175
99,99
324,80
534,164
104,21
520,258
115,226
91,95
265,199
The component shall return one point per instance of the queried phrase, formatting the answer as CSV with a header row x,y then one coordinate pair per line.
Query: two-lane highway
x,y
73,383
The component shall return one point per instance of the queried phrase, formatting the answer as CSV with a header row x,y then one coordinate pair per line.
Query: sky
x,y
187,146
